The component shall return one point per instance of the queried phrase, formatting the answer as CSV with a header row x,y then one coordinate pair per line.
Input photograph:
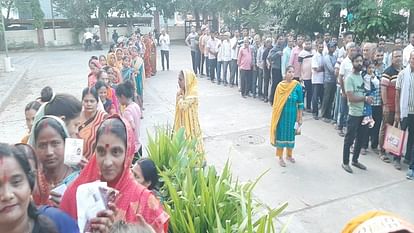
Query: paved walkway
x,y
321,196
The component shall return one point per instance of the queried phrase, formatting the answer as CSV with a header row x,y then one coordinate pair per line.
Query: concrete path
x,y
321,196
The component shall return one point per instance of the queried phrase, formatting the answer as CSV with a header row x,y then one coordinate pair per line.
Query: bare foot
x,y
282,163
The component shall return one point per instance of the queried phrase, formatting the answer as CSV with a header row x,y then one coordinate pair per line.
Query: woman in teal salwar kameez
x,y
287,112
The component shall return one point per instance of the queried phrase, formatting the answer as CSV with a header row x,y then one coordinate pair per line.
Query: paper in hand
x,y
73,151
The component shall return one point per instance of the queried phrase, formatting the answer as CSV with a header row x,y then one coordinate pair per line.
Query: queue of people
x,y
359,89
39,187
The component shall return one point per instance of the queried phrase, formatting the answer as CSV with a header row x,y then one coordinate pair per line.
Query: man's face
x,y
236,33
193,29
379,57
335,40
412,38
308,45
246,42
352,52
348,39
245,32
331,49
366,51
252,32
381,44
280,40
320,48
398,44
327,37
299,41
291,41
397,58
357,64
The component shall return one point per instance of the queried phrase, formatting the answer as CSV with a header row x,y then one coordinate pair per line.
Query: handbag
x,y
395,140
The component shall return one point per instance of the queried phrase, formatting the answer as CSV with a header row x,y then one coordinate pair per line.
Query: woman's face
x,y
102,61
14,192
90,105
93,68
137,171
110,155
102,93
112,59
73,127
50,148
289,74
30,115
126,62
119,54
181,81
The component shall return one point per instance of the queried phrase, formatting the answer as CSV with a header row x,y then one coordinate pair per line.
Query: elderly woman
x,y
286,116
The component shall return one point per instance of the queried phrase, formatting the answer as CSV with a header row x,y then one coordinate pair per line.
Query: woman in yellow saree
x,y
286,116
186,109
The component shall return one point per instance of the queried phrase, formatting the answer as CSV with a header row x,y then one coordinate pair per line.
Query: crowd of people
x,y
361,89
39,187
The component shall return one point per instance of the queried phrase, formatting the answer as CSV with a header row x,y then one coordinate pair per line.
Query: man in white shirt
x,y
192,42
212,48
165,48
407,51
226,50
234,52
219,58
317,80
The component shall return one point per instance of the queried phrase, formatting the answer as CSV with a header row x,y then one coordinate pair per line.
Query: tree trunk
x,y
215,23
40,37
102,30
157,20
411,21
197,18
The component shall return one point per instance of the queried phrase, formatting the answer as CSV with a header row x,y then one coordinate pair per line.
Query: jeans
x,y
233,70
373,133
317,97
260,81
329,90
343,113
266,81
245,76
202,59
194,61
226,65
276,79
208,66
165,54
408,123
386,119
218,71
308,93
253,85
355,131
337,104
213,65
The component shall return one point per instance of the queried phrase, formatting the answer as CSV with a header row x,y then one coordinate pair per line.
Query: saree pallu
x,y
147,58
288,98
112,96
88,130
153,58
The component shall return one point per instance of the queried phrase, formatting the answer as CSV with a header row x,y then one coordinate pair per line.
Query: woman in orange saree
x,y
112,62
153,56
111,163
147,56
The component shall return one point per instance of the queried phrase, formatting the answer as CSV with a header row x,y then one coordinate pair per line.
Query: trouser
x,y
198,60
317,97
276,79
337,104
308,93
233,70
245,76
226,65
208,66
343,113
356,132
329,90
266,81
212,71
218,71
408,123
165,54
202,60
253,85
373,133
194,61
260,81
387,118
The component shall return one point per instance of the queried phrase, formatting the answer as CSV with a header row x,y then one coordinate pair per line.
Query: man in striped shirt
x,y
388,82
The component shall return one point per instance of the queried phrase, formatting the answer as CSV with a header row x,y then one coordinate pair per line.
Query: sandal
x,y
282,163
385,159
291,159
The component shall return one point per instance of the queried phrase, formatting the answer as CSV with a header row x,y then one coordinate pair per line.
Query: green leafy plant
x,y
201,200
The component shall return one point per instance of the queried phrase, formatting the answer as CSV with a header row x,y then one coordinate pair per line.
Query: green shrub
x,y
201,200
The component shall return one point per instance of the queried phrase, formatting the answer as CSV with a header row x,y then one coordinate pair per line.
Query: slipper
x,y
282,163
291,159
385,159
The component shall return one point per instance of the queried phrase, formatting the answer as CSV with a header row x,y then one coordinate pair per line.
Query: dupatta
x,y
134,199
92,78
283,91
